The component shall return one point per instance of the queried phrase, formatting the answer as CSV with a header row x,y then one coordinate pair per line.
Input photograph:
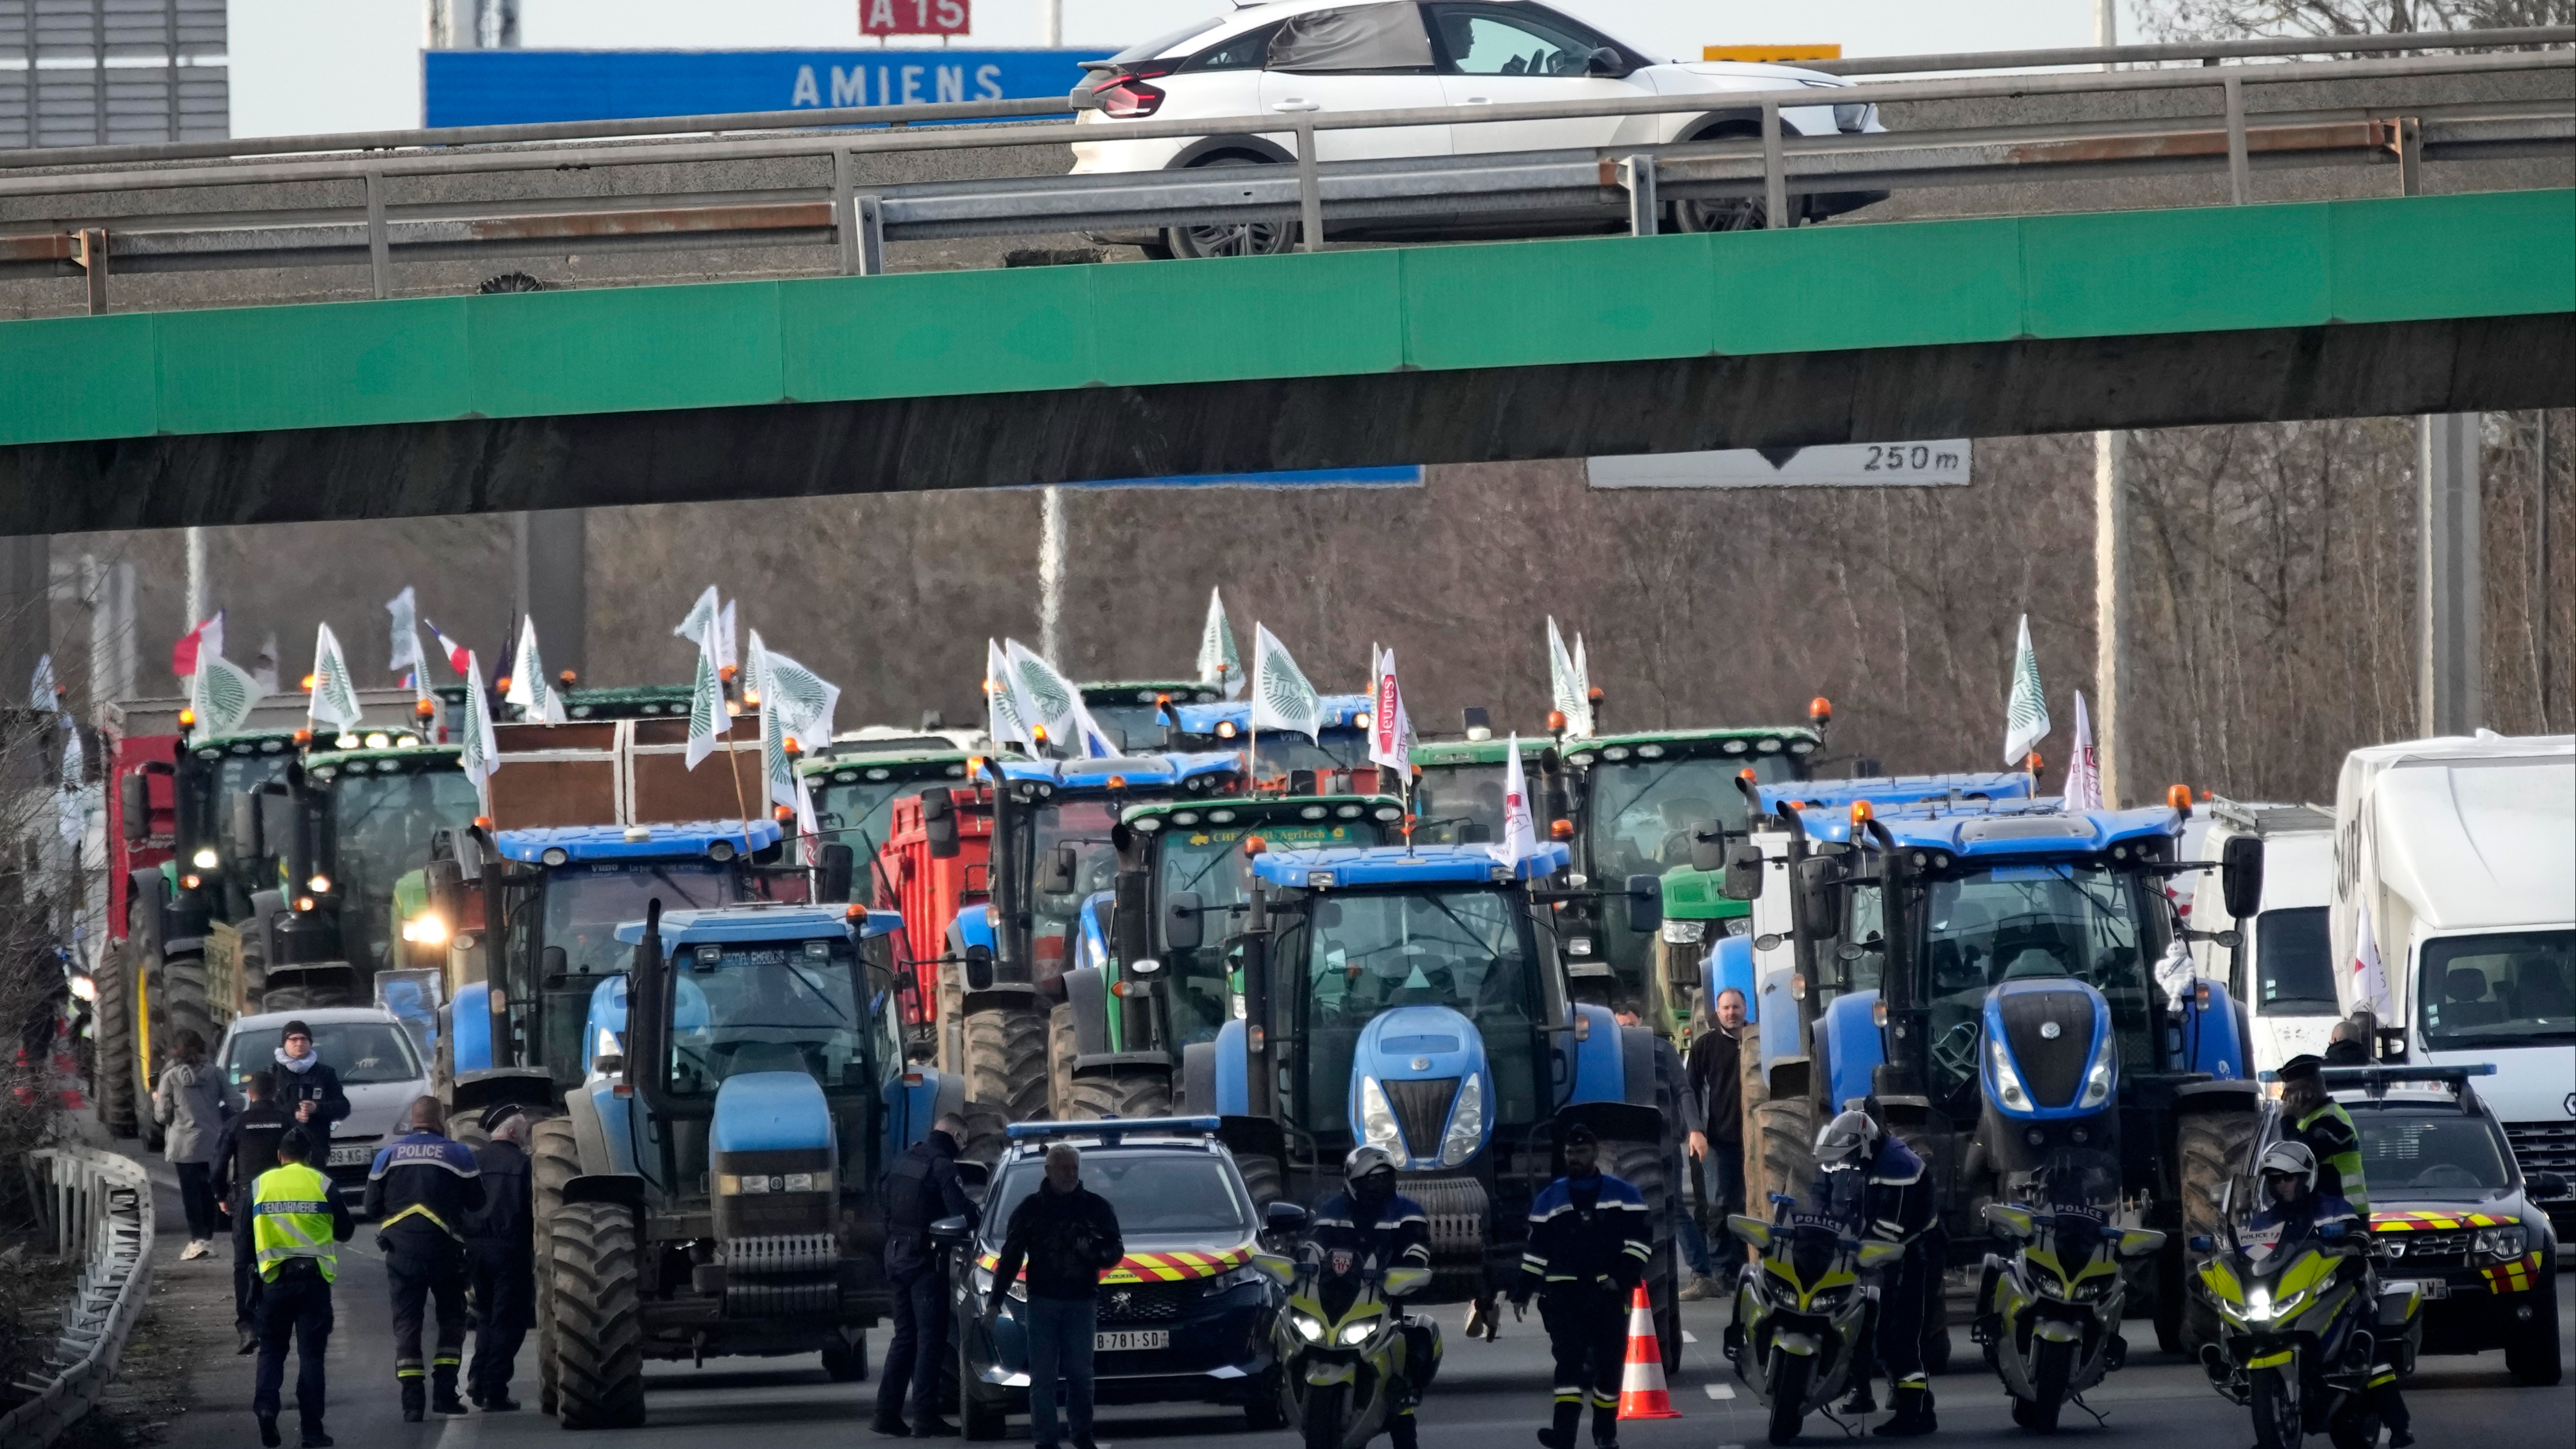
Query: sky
x,y
305,66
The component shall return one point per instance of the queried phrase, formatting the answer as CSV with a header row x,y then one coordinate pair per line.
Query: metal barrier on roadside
x,y
98,1207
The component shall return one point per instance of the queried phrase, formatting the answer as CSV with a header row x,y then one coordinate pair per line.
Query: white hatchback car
x,y
380,1069
1294,57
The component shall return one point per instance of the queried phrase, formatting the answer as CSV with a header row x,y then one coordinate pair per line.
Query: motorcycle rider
x,y
2319,1123
1588,1245
1876,1183
1371,1220
2296,1206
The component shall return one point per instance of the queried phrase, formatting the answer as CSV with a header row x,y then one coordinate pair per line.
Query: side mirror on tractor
x,y
1645,903
979,968
1055,873
939,822
1708,846
1743,880
839,870
1820,896
1182,922
2240,876
134,803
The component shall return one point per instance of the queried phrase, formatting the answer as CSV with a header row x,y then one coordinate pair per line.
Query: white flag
x,y
1281,697
2026,712
1568,692
222,694
41,689
1390,728
1520,827
775,766
406,633
1003,721
2084,770
263,667
804,701
725,637
477,757
2369,974
1218,662
1046,699
71,805
708,721
530,689
704,615
806,825
335,693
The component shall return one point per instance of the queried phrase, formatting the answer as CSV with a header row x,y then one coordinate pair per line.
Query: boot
x,y
442,1393
1402,1433
500,1404
268,1432
1560,1434
931,1426
1913,1411
1862,1401
1482,1320
415,1401
249,1342
314,1438
1605,1427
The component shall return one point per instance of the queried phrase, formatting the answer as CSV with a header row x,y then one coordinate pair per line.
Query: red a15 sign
x,y
915,17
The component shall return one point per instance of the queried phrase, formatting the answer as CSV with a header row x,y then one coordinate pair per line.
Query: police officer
x,y
1588,1244
296,1221
246,1148
1875,1182
420,1191
2318,1123
500,1236
921,1188
1371,1220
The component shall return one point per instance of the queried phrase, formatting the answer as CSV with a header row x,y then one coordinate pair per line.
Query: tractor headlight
x,y
1354,1334
2501,1242
1467,1123
1308,1326
204,859
1377,1120
426,929
2008,1087
2097,1082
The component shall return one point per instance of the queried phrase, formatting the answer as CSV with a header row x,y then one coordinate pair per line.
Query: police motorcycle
x,y
1803,1313
2298,1330
1342,1342
2048,1316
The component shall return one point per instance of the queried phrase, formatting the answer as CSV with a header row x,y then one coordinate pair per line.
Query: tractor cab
x,y
1339,749
1458,787
1137,713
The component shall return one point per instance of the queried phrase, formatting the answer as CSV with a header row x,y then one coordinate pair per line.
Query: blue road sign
x,y
508,87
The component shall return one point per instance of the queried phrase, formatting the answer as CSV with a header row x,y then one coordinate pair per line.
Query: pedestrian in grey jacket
x,y
188,1102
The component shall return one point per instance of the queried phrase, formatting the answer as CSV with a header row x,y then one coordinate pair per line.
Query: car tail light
x,y
1127,97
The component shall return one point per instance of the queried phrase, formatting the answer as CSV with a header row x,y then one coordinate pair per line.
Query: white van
x,y
2284,968
2462,854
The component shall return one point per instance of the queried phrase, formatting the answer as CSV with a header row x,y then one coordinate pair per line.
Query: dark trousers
x,y
1909,1298
1587,1334
197,1198
246,1281
296,1305
912,1357
423,1265
1060,1344
505,1288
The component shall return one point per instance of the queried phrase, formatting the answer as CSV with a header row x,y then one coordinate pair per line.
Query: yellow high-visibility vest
x,y
291,1218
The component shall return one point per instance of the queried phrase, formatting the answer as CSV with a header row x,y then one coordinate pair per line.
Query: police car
x,y
1184,1317
2450,1210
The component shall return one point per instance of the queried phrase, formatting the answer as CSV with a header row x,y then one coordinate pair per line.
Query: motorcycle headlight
x,y
1467,1123
2008,1087
1354,1334
1308,1326
2097,1082
2509,1242
1377,1121
1828,1298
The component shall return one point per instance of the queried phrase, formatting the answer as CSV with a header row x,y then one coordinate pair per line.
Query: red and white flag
x,y
1390,728
208,636
1520,826
2084,772
2369,973
457,654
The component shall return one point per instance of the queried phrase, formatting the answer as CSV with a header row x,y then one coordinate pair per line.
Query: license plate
x,y
1123,1340
358,1156
2433,1287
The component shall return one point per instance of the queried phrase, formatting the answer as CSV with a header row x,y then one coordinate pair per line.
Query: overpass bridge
x,y
1645,342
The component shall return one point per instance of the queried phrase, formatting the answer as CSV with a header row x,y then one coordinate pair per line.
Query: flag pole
x,y
740,802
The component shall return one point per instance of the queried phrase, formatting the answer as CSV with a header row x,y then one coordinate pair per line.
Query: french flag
x,y
456,653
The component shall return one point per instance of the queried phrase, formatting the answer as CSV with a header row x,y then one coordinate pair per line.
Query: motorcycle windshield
x,y
1812,1251
2074,1177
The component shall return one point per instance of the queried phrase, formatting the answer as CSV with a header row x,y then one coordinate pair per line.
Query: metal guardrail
x,y
99,1206
1603,182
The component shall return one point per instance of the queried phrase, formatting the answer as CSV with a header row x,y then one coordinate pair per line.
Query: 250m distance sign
x,y
916,17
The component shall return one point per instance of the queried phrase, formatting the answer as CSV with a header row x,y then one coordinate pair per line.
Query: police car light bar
x,y
2377,1080
1110,1129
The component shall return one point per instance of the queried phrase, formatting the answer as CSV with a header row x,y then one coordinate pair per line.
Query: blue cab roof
x,y
1883,790
763,923
613,842
1340,710
1388,865
2000,829
1158,771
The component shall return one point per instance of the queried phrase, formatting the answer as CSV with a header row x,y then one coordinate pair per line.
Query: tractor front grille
x,y
1422,1110
2051,1064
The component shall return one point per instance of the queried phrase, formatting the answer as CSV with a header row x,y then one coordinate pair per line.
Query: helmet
x,y
1846,1141
1365,1160
2289,1159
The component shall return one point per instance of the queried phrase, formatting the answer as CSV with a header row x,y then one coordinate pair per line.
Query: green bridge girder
x,y
2303,270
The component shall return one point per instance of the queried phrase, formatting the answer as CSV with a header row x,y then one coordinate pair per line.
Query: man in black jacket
x,y
1717,1085
1067,1235
246,1148
304,1087
420,1191
501,1237
921,1188
1589,1239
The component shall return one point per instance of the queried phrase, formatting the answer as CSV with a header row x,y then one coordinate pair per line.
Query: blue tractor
x,y
1339,748
1001,1011
2006,980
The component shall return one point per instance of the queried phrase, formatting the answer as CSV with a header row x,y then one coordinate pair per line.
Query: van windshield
x,y
2507,989
2294,964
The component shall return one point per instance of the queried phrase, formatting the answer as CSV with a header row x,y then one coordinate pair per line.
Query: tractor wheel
x,y
1060,1055
598,1317
303,998
1786,1129
114,1067
845,1356
1121,1094
2214,1148
1262,1181
1647,1167
554,1158
179,1000
1006,1061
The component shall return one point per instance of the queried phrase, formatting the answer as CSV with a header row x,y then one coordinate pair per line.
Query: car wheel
x,y
1725,213
1231,239
2532,1356
977,1416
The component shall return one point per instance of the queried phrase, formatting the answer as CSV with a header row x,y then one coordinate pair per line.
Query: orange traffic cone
x,y
1641,1387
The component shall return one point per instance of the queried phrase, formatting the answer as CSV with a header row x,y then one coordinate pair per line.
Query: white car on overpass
x,y
1319,57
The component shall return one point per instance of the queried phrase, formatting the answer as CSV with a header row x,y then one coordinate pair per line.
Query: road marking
x,y
1719,1391
1689,1337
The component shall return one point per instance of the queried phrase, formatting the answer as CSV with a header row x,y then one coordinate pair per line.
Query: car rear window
x,y
1155,1194
362,1052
